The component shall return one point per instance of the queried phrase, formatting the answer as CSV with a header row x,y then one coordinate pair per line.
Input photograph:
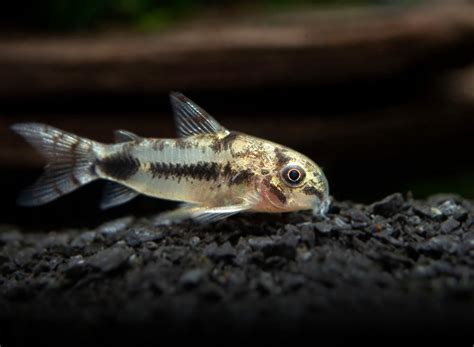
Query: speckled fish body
x,y
216,172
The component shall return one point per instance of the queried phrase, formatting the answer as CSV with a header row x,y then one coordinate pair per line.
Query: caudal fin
x,y
70,162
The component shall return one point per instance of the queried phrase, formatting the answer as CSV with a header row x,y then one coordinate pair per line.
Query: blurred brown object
x,y
461,85
292,48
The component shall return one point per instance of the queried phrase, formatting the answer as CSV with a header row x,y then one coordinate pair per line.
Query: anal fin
x,y
116,194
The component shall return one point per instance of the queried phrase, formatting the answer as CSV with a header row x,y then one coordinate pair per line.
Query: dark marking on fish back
x,y
281,157
182,143
219,145
229,139
120,166
158,145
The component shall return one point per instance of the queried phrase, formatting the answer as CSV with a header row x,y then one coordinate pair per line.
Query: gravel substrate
x,y
398,266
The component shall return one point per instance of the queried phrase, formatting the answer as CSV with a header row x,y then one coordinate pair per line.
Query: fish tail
x,y
70,162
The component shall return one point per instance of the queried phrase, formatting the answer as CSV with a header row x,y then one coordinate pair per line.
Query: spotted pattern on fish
x,y
120,166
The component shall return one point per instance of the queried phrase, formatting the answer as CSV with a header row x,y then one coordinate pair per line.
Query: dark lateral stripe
x,y
201,171
198,171
120,166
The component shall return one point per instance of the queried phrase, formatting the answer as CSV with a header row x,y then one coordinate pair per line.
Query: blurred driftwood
x,y
294,48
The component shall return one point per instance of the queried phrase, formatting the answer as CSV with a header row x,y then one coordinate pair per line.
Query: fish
x,y
212,171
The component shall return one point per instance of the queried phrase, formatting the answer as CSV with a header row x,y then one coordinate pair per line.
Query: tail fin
x,y
70,162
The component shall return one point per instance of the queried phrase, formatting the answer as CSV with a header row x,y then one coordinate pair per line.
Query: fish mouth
x,y
320,208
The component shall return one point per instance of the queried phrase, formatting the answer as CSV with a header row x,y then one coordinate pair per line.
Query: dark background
x,y
379,93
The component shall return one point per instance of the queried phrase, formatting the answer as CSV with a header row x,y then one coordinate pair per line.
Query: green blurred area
x,y
79,15
461,183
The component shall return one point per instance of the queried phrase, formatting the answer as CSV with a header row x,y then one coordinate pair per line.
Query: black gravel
x,y
397,266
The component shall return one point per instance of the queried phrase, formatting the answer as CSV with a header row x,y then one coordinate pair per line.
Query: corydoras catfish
x,y
215,172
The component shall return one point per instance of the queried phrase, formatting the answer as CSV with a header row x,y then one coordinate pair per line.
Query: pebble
x,y
307,235
340,224
414,220
75,267
84,239
440,244
428,211
389,206
358,218
115,226
323,227
137,236
191,278
194,241
25,256
449,225
260,242
266,282
110,259
217,253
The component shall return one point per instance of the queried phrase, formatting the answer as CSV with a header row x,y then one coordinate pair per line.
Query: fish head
x,y
296,183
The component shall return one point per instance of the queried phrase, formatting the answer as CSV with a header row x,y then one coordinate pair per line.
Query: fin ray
x,y
116,194
70,162
125,136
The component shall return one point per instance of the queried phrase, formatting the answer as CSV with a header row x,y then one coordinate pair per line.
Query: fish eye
x,y
293,175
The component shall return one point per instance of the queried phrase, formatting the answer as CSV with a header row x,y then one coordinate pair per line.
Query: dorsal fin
x,y
191,119
125,136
